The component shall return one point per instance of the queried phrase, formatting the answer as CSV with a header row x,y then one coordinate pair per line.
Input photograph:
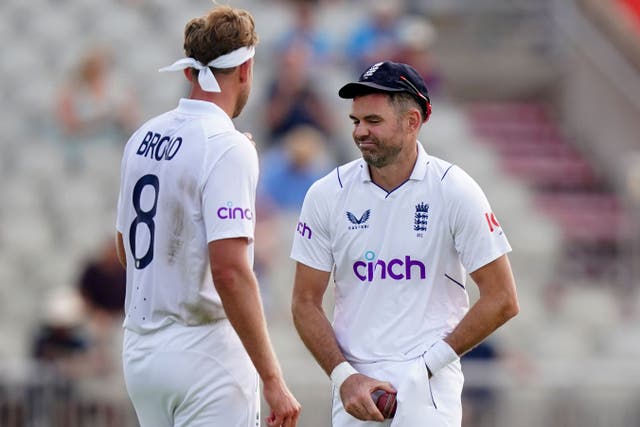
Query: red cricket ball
x,y
387,404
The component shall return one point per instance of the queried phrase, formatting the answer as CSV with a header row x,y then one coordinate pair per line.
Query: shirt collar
x,y
203,108
418,173
420,169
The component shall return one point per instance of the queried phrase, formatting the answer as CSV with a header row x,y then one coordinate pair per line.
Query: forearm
x,y
484,317
498,303
241,301
316,332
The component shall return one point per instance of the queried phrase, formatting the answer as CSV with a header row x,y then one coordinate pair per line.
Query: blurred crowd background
x,y
538,100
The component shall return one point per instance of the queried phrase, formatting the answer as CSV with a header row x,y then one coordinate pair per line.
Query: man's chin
x,y
374,161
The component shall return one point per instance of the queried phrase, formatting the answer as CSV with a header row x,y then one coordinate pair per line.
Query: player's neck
x,y
395,174
225,100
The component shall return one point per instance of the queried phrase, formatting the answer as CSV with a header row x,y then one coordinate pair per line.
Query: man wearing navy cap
x,y
400,230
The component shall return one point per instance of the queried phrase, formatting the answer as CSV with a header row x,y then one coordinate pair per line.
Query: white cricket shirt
x,y
399,259
188,178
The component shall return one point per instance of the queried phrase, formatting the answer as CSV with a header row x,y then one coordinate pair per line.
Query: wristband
x,y
438,356
341,372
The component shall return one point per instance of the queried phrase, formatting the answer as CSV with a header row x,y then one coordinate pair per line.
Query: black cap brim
x,y
351,90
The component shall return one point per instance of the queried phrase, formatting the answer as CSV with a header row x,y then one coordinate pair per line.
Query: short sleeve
x,y
478,236
229,191
312,240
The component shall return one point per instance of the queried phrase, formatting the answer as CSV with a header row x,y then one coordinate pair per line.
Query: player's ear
x,y
414,118
245,70
188,75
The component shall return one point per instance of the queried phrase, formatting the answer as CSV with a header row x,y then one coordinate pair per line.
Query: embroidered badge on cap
x,y
371,70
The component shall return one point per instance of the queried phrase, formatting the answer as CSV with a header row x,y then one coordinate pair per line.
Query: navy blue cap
x,y
389,76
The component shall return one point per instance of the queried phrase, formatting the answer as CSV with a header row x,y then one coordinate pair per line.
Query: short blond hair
x,y
222,30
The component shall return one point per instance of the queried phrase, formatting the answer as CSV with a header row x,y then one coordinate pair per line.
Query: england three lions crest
x,y
421,219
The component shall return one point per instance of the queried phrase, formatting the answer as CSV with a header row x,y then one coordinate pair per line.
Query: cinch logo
x,y
358,222
229,212
304,230
396,268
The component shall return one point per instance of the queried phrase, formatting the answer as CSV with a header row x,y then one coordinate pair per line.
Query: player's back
x,y
165,169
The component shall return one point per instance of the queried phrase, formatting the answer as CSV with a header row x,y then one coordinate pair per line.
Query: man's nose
x,y
360,130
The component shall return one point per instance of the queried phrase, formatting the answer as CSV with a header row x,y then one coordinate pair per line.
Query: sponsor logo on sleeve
x,y
231,212
492,221
304,230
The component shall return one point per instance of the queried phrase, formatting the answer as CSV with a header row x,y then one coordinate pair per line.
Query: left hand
x,y
356,396
285,409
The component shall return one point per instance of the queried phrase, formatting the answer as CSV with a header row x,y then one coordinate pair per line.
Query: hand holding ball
x,y
387,404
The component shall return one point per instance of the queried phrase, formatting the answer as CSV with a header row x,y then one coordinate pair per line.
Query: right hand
x,y
356,396
285,409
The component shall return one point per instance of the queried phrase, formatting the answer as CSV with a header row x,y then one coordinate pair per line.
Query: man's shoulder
x,y
228,137
455,182
217,138
337,179
447,173
213,125
439,168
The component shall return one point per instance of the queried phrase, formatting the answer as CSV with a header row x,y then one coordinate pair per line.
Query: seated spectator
x,y
291,98
103,282
60,339
61,346
81,331
416,38
304,32
93,106
93,102
288,171
102,286
377,37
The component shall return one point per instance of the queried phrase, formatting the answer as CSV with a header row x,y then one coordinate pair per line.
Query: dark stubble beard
x,y
384,156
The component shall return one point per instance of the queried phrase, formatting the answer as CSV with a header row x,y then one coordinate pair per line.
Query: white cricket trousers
x,y
422,402
195,376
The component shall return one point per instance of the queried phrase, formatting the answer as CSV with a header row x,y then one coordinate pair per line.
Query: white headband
x,y
206,78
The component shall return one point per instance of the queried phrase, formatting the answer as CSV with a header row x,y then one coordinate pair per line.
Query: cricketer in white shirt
x,y
180,189
399,261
